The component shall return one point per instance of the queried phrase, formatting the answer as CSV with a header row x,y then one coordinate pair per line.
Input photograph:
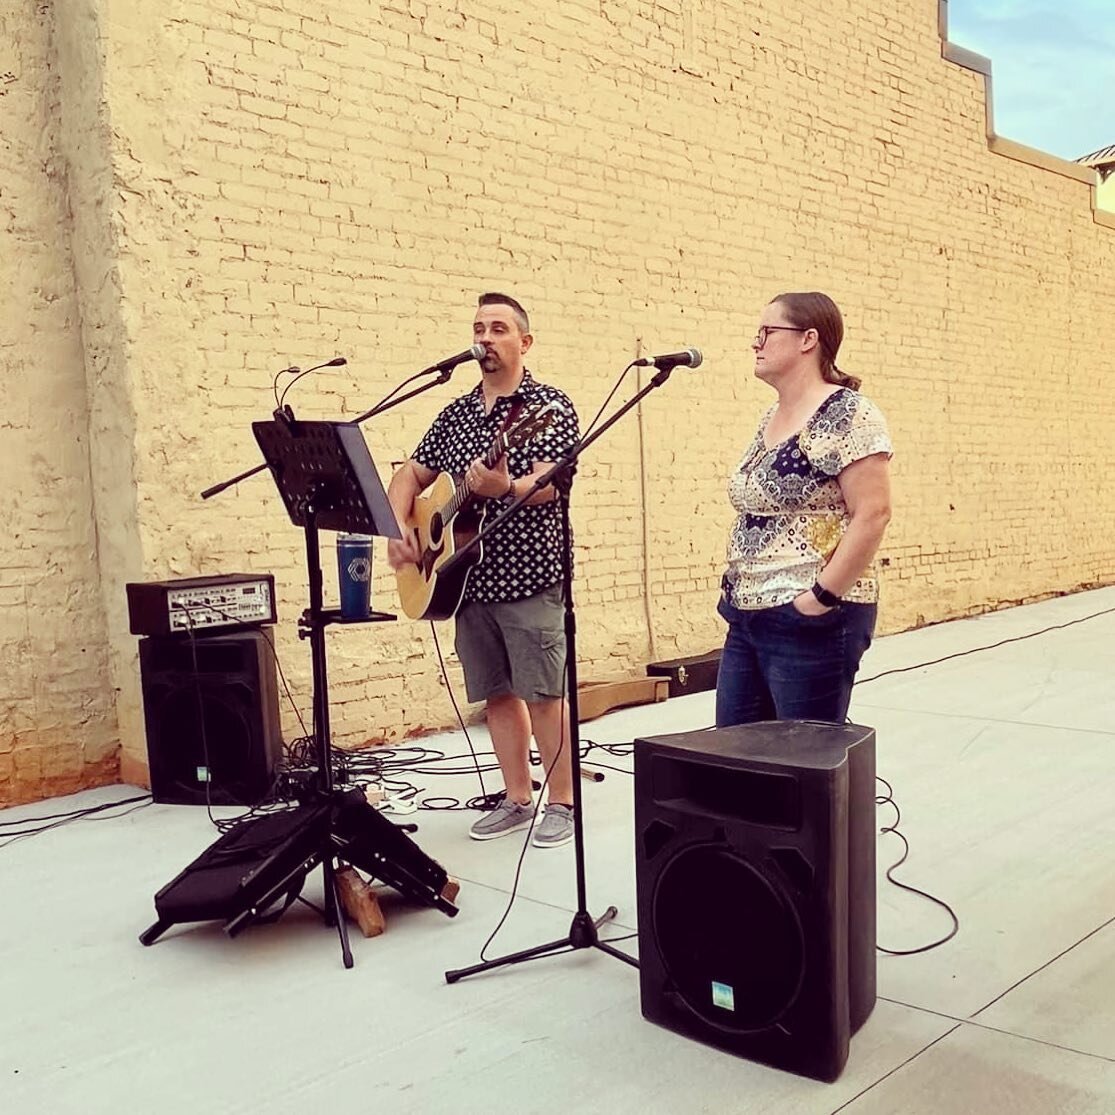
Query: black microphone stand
x,y
583,931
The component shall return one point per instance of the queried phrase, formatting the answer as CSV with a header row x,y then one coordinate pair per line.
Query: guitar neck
x,y
461,494
498,449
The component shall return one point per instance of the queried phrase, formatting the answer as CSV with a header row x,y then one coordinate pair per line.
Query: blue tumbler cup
x,y
354,574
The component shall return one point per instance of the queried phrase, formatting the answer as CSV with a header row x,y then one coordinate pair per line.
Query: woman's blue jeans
x,y
778,664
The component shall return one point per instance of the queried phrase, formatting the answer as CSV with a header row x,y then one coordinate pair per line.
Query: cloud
x,y
1052,65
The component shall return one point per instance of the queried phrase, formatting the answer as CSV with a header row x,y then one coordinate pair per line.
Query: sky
x,y
1052,68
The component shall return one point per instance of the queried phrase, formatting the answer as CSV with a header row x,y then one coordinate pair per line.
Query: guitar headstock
x,y
534,419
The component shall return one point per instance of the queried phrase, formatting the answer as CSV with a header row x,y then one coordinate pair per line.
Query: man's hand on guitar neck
x,y
488,483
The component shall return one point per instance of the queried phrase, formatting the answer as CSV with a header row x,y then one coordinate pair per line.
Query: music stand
x,y
327,480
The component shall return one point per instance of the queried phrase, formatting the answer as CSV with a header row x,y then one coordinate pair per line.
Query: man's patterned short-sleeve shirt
x,y
524,556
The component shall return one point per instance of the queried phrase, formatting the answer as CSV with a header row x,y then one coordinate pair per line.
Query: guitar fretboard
x,y
461,494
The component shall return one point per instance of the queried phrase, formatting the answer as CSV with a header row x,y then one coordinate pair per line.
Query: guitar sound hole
x,y
436,528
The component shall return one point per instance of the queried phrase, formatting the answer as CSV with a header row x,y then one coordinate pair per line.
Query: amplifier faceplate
x,y
201,603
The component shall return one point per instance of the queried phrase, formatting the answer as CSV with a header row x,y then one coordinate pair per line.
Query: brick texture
x,y
209,192
58,727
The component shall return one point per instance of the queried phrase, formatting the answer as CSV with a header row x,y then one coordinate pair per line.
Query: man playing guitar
x,y
510,627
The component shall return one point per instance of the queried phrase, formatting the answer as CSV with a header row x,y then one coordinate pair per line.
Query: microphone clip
x,y
284,416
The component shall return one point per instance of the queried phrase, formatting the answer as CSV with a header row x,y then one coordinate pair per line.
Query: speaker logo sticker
x,y
723,996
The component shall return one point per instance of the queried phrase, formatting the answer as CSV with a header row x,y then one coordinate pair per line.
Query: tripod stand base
x,y
258,868
582,935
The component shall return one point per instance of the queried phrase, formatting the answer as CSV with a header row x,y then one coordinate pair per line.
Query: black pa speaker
x,y
242,877
233,696
755,868
256,869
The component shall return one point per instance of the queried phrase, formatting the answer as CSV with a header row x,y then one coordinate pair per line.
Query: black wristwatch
x,y
829,599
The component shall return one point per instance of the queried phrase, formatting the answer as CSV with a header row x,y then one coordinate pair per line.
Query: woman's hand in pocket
x,y
808,605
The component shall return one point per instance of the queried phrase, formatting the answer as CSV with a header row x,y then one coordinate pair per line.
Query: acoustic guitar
x,y
444,520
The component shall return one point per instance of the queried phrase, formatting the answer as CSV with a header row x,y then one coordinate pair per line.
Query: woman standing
x,y
813,498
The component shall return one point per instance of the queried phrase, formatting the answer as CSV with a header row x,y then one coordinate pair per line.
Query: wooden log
x,y
594,698
359,901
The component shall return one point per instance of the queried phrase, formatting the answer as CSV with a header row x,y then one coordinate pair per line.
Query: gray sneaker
x,y
556,827
508,816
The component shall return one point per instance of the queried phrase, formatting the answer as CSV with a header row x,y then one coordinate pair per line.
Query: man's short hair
x,y
494,298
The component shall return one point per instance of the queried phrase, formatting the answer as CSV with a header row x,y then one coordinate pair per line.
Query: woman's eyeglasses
x,y
766,330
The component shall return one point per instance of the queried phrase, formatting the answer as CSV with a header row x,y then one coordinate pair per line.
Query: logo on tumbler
x,y
360,569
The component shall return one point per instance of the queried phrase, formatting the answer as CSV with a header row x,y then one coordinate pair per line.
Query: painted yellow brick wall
x,y
1105,193
277,182
58,729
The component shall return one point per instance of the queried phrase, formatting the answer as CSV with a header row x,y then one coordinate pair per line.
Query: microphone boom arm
x,y
551,474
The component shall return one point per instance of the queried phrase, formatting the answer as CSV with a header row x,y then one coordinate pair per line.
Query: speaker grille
x,y
731,941
224,754
233,695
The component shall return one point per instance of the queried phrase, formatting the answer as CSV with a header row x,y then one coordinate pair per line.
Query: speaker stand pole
x,y
584,929
334,914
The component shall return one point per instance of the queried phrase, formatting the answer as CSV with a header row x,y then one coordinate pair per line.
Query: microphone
x,y
690,358
294,370
476,352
